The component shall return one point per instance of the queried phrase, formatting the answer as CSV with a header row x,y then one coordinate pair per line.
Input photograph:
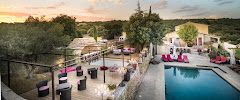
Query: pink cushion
x,y
69,69
212,60
63,78
112,70
43,88
218,62
78,82
80,70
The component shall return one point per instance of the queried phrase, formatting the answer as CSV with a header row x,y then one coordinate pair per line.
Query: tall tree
x,y
143,28
95,34
24,42
69,24
114,28
188,33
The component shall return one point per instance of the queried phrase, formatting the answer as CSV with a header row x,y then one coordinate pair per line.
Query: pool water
x,y
197,84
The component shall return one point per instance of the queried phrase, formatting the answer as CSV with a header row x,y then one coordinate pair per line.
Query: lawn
x,y
237,54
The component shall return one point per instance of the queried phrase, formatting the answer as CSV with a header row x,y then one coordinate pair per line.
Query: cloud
x,y
49,7
6,7
93,11
225,2
16,14
159,5
217,0
111,1
187,8
197,14
213,16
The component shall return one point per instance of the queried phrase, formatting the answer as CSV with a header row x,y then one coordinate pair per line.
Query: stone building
x,y
203,36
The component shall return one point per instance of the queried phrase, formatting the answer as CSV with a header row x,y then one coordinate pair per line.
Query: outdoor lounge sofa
x,y
164,58
79,71
62,78
43,88
82,84
169,58
117,51
223,60
69,69
185,59
126,50
180,58
65,94
218,58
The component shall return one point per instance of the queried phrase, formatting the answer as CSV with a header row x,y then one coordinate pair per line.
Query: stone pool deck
x,y
153,83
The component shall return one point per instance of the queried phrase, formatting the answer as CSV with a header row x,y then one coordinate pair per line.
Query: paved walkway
x,y
153,83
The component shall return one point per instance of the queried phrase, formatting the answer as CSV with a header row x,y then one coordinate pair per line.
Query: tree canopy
x,y
188,33
144,28
24,41
69,24
114,28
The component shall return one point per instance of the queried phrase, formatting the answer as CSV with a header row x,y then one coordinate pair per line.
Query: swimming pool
x,y
197,84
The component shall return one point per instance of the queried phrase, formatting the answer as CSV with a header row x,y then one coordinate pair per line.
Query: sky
x,y
105,10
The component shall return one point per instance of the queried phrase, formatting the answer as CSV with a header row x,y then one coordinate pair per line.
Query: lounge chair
x,y
43,88
164,58
113,69
169,58
62,78
223,60
82,84
185,59
65,94
218,58
180,58
79,71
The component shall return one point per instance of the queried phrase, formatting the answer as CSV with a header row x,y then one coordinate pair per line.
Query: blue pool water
x,y
197,84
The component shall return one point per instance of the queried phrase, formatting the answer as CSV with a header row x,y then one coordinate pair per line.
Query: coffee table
x,y
91,69
62,86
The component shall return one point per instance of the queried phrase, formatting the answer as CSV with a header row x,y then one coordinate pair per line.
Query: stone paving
x,y
153,83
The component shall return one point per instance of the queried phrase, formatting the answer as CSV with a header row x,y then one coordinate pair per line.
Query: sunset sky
x,y
103,10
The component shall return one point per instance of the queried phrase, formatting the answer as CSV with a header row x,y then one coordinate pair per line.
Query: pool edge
x,y
208,68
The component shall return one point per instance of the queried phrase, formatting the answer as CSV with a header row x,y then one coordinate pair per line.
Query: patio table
x,y
91,69
62,86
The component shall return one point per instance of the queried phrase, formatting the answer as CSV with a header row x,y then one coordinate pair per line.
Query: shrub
x,y
212,55
222,52
234,42
112,86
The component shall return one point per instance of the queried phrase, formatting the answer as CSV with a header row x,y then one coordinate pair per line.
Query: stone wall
x,y
144,65
132,85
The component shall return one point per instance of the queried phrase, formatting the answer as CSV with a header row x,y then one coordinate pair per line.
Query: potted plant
x,y
112,86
